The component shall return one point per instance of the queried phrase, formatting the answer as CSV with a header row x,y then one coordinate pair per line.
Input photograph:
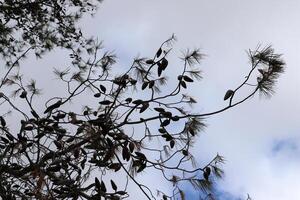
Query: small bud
x,y
228,94
23,95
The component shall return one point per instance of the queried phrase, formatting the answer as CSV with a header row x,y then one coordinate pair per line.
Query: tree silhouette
x,y
55,152
41,25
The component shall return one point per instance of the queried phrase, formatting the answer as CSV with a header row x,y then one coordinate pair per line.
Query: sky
x,y
260,139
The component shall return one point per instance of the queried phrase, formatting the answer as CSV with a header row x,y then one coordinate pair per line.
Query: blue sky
x,y
218,195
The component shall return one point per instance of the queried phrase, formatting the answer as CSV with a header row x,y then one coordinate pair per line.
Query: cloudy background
x,y
260,139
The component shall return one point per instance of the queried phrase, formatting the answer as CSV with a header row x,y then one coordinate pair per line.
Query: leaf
x,y
188,79
97,95
54,168
183,84
168,137
137,102
82,163
115,166
131,147
53,106
151,84
162,130
205,175
207,170
144,107
158,53
133,81
128,100
141,155
172,143
57,144
4,139
57,191
165,122
261,71
159,109
10,137
192,132
159,70
103,187
97,183
70,139
121,192
2,121
145,84
113,185
125,154
103,88
141,168
105,102
28,128
185,152
76,153
228,94
34,114
23,95
167,114
149,62
175,118
164,63
61,115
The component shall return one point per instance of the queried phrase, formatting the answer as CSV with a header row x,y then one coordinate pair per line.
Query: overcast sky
x,y
260,139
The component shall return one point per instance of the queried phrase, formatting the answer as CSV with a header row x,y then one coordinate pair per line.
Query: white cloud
x,y
224,29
